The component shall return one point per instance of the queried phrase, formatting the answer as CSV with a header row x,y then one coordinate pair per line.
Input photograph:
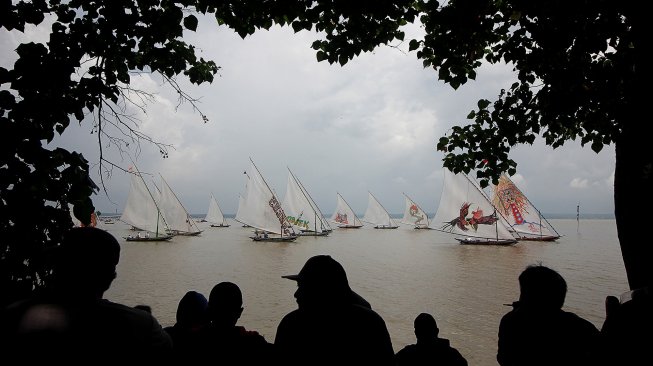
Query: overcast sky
x,y
371,125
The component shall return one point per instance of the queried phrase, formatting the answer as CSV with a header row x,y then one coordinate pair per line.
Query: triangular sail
x,y
377,214
176,216
519,213
414,215
465,210
214,214
141,210
324,222
301,212
260,208
344,215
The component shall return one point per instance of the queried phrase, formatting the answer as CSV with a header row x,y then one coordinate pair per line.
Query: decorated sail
x,y
465,210
300,209
414,215
519,213
343,215
260,208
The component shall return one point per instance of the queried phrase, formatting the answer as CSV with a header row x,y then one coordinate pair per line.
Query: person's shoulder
x,y
579,322
250,335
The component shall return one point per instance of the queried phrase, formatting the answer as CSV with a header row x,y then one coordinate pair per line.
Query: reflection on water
x,y
400,272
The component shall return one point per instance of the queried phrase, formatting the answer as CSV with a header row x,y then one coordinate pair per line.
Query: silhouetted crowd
x,y
71,322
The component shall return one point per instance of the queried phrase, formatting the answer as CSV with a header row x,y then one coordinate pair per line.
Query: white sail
x,y
141,210
177,217
465,210
260,208
414,215
344,216
519,213
300,209
214,214
377,215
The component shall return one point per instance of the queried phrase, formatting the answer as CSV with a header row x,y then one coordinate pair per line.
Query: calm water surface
x,y
400,272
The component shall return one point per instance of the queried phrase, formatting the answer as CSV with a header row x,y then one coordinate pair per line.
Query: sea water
x,y
401,272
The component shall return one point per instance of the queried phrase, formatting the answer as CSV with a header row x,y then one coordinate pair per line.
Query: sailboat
x,y
414,215
214,214
344,216
466,210
377,214
526,221
302,211
177,217
260,209
142,212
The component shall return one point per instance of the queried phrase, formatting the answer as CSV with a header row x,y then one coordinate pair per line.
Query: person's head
x,y
192,310
225,304
322,281
426,327
86,260
542,287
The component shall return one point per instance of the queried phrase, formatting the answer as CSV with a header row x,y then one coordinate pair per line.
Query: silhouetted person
x,y
429,349
225,343
146,308
538,332
71,322
192,317
330,326
628,329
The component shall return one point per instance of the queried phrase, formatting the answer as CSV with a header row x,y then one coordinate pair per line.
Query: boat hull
x,y
313,233
385,227
151,238
483,241
274,239
350,226
539,238
213,225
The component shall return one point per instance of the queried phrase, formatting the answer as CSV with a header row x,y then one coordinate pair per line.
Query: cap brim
x,y
291,277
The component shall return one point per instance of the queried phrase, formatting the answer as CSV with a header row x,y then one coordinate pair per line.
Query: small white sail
x,y
141,210
414,215
177,217
260,208
465,210
519,213
214,214
377,215
344,216
300,209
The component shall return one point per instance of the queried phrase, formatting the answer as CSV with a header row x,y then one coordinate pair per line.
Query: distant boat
x,y
344,216
414,215
260,209
377,215
302,212
142,212
465,210
214,214
526,221
177,217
